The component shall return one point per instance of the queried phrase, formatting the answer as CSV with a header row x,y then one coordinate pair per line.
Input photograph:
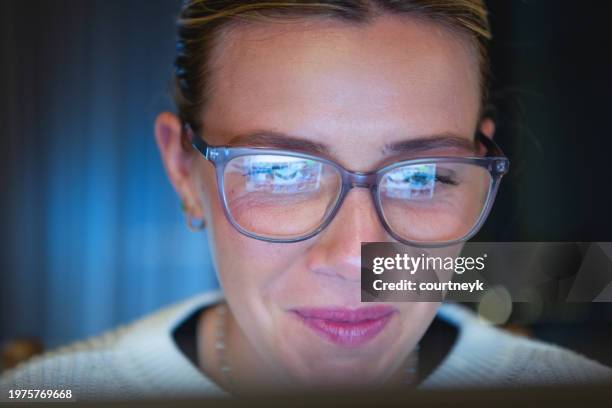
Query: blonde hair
x,y
201,23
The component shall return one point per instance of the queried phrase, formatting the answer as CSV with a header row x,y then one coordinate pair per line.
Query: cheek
x,y
251,272
246,266
256,278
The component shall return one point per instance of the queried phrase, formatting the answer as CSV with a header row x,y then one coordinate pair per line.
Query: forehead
x,y
350,86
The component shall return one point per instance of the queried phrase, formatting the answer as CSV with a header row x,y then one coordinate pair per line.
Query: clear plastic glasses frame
x,y
495,162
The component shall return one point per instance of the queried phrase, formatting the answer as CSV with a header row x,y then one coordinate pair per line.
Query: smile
x,y
346,327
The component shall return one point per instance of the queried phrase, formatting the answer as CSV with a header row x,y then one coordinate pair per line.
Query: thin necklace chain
x,y
410,372
220,345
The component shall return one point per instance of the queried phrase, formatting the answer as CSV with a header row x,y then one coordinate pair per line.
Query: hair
x,y
202,23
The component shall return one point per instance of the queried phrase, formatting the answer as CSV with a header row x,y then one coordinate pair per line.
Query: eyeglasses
x,y
285,196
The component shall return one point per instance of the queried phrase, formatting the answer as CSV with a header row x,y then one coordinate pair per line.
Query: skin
x,y
355,89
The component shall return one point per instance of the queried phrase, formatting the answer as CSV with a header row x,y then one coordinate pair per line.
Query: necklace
x,y
410,373
220,345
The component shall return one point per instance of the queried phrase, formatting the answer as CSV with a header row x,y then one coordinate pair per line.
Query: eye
x,y
420,176
287,172
449,179
281,174
418,181
414,176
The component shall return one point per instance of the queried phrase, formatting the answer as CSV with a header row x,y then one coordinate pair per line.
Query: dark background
x,y
92,234
551,63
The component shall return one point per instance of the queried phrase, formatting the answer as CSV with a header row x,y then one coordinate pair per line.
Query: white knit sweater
x,y
142,360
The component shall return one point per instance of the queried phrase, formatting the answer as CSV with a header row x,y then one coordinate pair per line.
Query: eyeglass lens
x,y
286,197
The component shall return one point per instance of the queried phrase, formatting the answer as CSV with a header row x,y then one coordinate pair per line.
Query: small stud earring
x,y
194,224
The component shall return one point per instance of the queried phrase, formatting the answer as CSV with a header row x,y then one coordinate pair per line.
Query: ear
x,y
179,162
487,127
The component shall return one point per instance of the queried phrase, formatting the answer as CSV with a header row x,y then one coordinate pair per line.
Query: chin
x,y
319,368
333,378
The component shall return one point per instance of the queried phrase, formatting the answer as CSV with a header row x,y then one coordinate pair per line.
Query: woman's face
x,y
355,91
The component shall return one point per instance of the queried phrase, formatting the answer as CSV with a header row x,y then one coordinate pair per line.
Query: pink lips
x,y
346,327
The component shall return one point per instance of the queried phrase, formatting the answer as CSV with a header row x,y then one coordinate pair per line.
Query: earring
x,y
194,224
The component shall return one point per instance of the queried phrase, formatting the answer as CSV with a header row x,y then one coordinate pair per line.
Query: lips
x,y
346,327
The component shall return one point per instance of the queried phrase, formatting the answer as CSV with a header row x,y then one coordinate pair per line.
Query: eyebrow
x,y
279,140
426,143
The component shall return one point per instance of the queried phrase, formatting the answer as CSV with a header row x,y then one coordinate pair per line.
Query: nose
x,y
336,251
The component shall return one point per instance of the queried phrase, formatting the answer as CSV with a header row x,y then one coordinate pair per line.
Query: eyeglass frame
x,y
495,162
